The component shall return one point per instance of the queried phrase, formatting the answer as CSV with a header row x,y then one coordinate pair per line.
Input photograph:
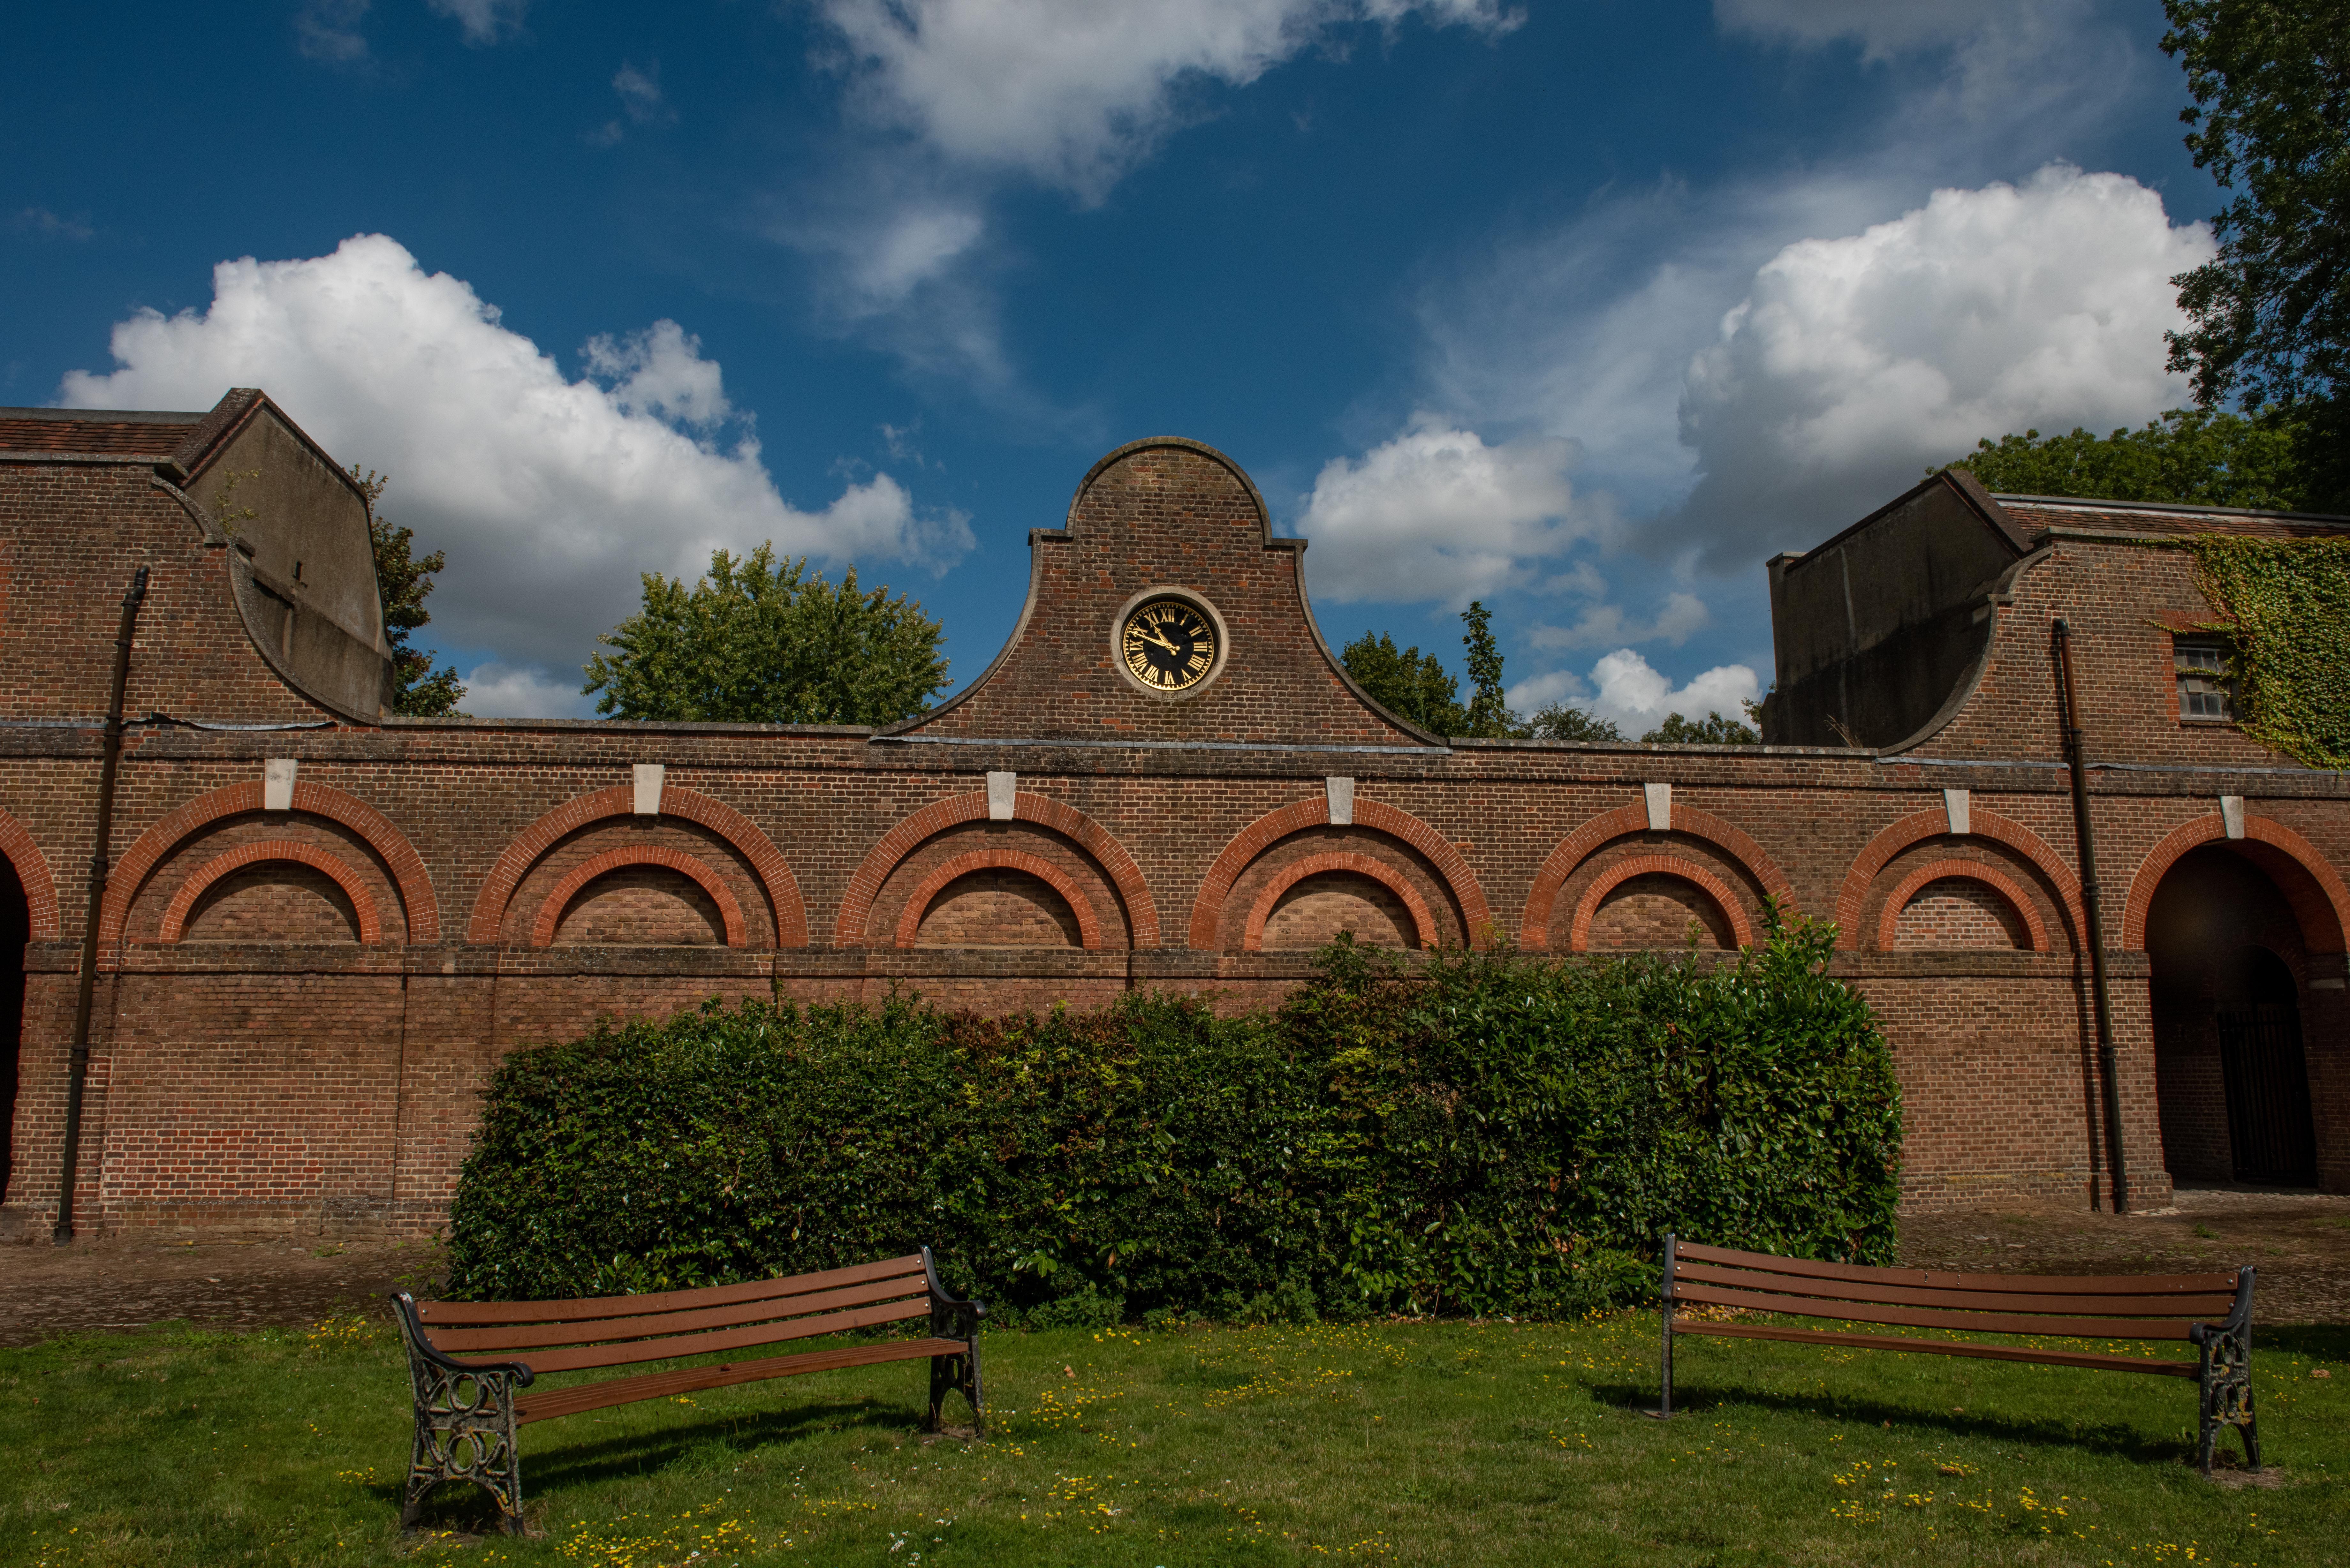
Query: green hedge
x,y
1484,1135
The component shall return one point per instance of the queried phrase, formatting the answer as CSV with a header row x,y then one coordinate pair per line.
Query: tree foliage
x,y
1416,686
1492,1133
1409,683
1714,730
403,579
1487,713
1563,722
2190,455
2271,122
762,641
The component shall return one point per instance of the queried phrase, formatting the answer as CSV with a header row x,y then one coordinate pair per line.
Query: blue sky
x,y
1584,310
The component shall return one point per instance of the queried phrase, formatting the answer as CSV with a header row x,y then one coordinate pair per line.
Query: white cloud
x,y
1435,514
329,30
1623,687
1676,620
483,22
640,94
49,226
494,690
641,99
1854,363
1882,30
550,495
661,371
1073,92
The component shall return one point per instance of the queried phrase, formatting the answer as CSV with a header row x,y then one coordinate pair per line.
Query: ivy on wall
x,y
2287,604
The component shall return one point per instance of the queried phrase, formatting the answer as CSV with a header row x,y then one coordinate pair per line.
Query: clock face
x,y
1169,645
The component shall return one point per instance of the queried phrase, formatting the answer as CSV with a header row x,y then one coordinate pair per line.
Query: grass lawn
x,y
1435,1443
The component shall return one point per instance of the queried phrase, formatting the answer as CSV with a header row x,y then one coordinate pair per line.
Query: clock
x,y
1169,645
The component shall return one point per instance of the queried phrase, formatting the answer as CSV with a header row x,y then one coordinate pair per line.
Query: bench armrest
x,y
412,1329
964,1314
2238,1324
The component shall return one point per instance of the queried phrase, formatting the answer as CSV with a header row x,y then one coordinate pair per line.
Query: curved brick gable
x,y
1167,514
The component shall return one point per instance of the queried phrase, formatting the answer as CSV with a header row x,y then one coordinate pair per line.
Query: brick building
x,y
323,925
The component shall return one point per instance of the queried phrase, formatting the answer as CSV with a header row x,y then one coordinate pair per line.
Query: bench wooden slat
x,y
586,1307
632,1350
534,1405
2103,1362
1921,1317
2021,1299
1952,1280
526,1336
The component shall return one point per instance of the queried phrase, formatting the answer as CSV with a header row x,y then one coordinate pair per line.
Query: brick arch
x,y
1586,909
1542,900
31,869
346,876
1920,825
857,905
1888,924
767,862
1250,842
390,846
550,912
1089,922
2320,902
1379,871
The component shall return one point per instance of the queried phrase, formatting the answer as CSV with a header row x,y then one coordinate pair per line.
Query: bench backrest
x,y
2123,1306
615,1331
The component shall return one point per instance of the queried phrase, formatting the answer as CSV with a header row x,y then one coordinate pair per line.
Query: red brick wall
x,y
266,1071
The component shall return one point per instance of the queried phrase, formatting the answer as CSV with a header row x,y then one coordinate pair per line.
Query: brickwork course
x,y
323,928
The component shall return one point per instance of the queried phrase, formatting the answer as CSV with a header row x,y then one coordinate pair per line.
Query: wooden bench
x,y
2122,1306
466,1360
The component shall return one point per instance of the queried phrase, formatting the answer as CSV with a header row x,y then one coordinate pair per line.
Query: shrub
x,y
1484,1134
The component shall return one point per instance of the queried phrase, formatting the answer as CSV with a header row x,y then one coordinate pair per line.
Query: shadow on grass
x,y
553,1468
2115,1438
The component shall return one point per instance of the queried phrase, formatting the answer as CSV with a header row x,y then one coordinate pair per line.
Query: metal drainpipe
x,y
78,1072
2117,1162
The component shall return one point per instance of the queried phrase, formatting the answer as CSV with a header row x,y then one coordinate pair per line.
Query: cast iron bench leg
x,y
465,1432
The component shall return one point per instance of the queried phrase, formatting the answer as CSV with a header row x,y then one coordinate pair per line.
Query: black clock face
x,y
1169,645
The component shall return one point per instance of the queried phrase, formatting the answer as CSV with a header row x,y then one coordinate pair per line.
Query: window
x,y
2206,690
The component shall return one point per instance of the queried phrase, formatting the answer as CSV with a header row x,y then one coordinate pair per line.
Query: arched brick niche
x,y
221,869
593,873
272,889
1291,880
1948,903
1917,886
947,877
1616,883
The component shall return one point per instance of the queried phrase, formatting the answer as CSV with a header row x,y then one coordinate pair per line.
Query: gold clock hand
x,y
1154,636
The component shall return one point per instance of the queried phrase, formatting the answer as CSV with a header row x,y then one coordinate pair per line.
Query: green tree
x,y
1560,721
2271,122
418,690
1409,683
1714,730
2190,455
761,641
1489,715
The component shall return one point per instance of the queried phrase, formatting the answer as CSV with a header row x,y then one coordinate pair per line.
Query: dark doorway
x,y
16,931
2262,1067
2232,1077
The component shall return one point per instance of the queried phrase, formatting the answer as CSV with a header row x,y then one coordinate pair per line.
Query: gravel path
x,y
2300,1241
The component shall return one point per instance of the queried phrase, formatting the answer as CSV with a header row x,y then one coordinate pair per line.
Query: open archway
x,y
16,931
2230,983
